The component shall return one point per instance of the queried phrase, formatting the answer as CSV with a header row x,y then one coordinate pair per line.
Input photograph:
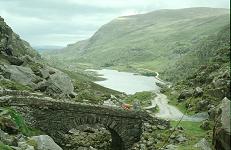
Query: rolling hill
x,y
151,41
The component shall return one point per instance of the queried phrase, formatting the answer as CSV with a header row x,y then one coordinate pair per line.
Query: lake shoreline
x,y
113,79
126,82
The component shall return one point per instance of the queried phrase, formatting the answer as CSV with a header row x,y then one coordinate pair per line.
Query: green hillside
x,y
206,67
212,50
151,41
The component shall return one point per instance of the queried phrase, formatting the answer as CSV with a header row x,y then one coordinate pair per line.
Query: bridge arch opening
x,y
113,125
97,135
117,142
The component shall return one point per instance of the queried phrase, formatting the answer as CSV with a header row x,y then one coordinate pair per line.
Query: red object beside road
x,y
126,106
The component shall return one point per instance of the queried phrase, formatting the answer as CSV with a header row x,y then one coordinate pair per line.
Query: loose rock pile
x,y
88,137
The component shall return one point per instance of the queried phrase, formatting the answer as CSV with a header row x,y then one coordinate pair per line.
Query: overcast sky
x,y
61,22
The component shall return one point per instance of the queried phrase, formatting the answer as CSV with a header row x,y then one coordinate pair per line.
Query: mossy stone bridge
x,y
57,118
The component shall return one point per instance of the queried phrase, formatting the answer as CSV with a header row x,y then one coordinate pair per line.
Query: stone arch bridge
x,y
57,118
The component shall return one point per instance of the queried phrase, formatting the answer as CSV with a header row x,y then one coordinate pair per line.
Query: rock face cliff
x,y
21,67
221,134
13,48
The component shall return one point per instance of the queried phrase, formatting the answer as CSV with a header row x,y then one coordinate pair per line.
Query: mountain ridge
x,y
144,39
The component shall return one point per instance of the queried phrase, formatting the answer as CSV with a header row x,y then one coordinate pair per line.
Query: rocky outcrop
x,y
6,138
206,125
57,83
21,142
49,80
151,134
22,75
12,48
221,131
212,112
198,92
44,142
88,137
20,63
202,105
171,147
184,95
203,145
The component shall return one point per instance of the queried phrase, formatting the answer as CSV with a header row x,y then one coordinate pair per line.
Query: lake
x,y
131,83
126,82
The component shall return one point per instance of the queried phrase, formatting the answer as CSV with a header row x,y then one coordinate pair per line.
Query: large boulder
x,y
198,92
221,134
45,72
180,138
22,75
8,125
51,81
24,146
58,83
184,95
6,138
171,147
206,125
203,145
45,142
217,83
202,105
212,112
12,59
219,93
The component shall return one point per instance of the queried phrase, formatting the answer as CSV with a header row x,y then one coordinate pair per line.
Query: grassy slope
x,y
144,41
144,98
87,90
206,52
209,62
193,133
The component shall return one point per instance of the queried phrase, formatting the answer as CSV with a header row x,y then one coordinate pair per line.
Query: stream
x,y
131,83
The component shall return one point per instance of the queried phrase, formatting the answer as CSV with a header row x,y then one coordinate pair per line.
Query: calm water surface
x,y
128,83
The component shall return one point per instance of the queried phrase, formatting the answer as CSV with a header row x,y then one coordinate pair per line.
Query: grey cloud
x,y
50,9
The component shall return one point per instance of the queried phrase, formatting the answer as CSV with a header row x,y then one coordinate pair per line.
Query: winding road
x,y
170,112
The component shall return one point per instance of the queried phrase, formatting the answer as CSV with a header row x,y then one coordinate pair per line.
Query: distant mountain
x,y
47,47
152,41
